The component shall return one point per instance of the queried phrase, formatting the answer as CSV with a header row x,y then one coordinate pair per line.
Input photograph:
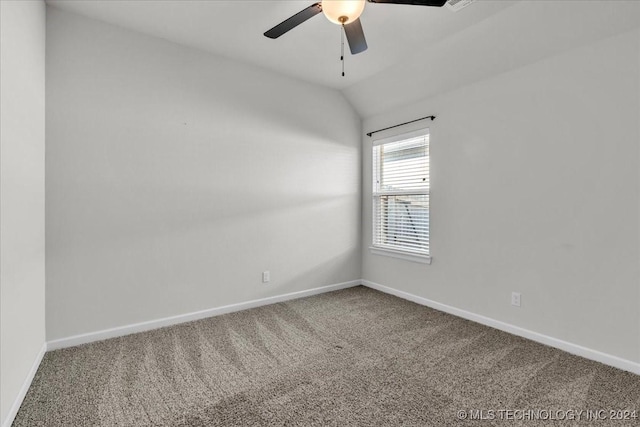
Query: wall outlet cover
x,y
515,299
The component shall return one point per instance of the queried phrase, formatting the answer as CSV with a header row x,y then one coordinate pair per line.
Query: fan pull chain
x,y
342,48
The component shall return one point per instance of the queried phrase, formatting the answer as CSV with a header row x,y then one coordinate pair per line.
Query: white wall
x,y
535,189
174,178
22,275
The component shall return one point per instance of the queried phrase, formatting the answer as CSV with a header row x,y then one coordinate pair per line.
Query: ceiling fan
x,y
345,13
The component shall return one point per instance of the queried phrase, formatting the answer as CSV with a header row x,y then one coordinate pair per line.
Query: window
x,y
401,196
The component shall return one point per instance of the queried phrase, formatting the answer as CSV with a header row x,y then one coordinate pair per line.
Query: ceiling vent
x,y
457,5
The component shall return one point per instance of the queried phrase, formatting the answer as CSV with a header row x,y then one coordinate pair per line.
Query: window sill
x,y
407,256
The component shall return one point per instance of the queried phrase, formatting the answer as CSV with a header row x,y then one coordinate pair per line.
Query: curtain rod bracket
x,y
401,124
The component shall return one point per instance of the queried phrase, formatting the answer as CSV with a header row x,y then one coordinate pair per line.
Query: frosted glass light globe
x,y
337,10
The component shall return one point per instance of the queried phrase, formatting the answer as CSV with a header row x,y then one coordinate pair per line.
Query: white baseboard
x,y
25,387
576,349
182,318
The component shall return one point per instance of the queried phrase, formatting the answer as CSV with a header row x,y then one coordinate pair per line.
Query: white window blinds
x,y
401,194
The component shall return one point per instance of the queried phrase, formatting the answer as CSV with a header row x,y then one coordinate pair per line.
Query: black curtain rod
x,y
401,124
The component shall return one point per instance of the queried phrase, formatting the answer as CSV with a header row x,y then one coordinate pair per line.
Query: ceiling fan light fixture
x,y
342,11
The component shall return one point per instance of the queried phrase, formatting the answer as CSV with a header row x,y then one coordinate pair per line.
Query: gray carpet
x,y
351,357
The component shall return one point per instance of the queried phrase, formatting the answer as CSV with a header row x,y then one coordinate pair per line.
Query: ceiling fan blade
x,y
355,37
294,21
436,3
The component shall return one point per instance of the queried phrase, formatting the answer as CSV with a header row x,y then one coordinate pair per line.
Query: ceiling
x,y
310,52
414,53
523,34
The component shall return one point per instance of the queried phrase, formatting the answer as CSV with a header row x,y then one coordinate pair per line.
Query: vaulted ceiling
x,y
414,51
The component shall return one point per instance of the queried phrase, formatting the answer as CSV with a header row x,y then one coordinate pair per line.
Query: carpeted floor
x,y
351,357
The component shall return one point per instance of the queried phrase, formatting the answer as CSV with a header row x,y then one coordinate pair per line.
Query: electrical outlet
x,y
266,276
515,299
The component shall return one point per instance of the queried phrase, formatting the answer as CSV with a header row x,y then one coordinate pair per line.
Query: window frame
x,y
375,248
